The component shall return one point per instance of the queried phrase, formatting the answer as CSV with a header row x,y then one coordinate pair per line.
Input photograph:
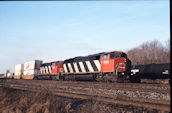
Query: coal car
x,y
151,71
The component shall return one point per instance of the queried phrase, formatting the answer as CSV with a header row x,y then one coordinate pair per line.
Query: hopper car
x,y
150,71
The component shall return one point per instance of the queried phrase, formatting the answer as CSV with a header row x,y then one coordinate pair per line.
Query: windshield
x,y
105,56
123,55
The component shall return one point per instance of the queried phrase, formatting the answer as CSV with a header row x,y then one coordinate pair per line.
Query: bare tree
x,y
150,52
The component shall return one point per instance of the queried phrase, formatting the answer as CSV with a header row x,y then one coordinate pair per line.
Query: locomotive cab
x,y
116,63
57,67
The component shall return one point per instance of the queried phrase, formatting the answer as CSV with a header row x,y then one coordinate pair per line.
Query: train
x,y
150,71
112,66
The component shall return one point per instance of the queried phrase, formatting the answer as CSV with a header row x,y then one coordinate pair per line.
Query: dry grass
x,y
14,101
17,101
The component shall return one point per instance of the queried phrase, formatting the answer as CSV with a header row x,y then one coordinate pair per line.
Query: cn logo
x,y
106,62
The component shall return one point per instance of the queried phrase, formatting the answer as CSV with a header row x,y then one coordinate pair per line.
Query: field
x,y
43,100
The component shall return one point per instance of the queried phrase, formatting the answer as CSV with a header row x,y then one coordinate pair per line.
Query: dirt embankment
x,y
17,101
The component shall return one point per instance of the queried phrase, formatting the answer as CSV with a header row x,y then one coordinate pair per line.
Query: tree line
x,y
150,52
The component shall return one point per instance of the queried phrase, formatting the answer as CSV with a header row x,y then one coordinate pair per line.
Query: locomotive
x,y
106,66
50,70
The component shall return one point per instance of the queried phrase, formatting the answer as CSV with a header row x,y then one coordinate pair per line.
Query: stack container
x,y
19,68
31,69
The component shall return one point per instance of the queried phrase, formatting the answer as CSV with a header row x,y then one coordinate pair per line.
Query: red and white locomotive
x,y
106,66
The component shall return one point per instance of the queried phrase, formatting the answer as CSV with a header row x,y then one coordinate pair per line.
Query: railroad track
x,y
150,96
94,84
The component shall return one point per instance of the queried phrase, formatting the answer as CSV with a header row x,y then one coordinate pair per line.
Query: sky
x,y
58,30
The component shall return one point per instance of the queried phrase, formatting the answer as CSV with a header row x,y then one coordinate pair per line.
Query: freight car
x,y
2,76
106,66
28,70
19,68
150,71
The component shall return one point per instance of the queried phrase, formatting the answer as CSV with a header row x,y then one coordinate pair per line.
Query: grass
x,y
17,101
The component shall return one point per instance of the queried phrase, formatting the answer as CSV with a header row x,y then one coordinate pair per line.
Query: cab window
x,y
117,55
123,55
105,56
112,56
58,63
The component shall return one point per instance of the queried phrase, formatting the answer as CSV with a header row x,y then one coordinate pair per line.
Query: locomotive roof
x,y
46,64
85,57
89,57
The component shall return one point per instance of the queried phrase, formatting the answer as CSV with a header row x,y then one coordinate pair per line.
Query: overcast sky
x,y
58,30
